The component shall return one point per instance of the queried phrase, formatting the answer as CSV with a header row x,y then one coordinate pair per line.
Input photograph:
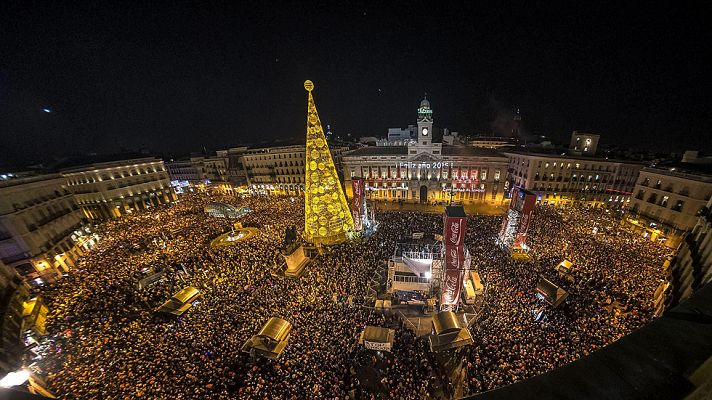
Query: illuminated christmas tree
x,y
327,217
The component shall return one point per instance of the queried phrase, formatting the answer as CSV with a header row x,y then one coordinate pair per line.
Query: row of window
x,y
662,202
34,199
149,191
417,173
40,215
106,175
290,179
271,157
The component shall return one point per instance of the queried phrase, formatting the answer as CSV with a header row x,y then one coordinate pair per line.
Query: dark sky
x,y
174,77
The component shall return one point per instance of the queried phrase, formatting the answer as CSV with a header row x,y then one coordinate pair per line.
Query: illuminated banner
x,y
517,199
454,227
357,186
454,232
377,346
503,228
527,214
452,278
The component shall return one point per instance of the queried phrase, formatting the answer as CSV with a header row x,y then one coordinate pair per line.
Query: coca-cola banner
x,y
357,187
517,199
452,277
528,204
454,232
503,227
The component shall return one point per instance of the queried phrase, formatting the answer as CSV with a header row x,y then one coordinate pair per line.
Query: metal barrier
x,y
410,279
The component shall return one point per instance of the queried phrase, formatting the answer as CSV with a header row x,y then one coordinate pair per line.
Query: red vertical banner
x,y
503,227
527,214
452,278
357,200
517,197
454,228
454,232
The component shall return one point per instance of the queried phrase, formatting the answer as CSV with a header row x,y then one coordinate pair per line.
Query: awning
x,y
276,329
186,294
445,322
553,294
271,340
449,341
565,266
180,302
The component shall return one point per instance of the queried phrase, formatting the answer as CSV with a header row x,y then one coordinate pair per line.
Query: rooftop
x,y
568,156
83,163
378,151
469,151
28,179
456,151
699,172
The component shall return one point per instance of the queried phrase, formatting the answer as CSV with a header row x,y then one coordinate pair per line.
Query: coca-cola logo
x,y
450,289
455,231
454,259
357,188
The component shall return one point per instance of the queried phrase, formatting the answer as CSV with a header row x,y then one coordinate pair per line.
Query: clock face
x,y
425,131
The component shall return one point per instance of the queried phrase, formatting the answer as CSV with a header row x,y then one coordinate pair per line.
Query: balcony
x,y
17,257
53,217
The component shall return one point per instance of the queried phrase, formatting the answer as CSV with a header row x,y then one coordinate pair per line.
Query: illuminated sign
x,y
436,164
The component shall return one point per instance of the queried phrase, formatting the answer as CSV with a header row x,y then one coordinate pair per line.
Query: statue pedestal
x,y
296,261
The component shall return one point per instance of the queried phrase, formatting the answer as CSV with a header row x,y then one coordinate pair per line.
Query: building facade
x,y
667,202
185,171
427,172
215,167
565,180
13,294
111,189
691,268
42,230
236,173
280,170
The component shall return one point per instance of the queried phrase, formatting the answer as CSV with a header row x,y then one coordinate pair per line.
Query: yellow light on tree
x,y
326,214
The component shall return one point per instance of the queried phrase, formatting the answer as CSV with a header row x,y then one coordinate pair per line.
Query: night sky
x,y
176,77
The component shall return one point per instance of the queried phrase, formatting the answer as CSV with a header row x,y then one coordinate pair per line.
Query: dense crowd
x,y
106,342
610,294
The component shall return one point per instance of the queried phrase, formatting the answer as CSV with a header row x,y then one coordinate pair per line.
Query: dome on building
x,y
424,103
224,210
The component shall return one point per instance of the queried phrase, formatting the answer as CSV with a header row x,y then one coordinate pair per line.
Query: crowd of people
x,y
106,342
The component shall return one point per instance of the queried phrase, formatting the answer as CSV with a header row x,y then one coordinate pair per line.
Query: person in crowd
x,y
106,342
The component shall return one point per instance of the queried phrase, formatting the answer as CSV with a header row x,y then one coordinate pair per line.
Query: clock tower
x,y
425,123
